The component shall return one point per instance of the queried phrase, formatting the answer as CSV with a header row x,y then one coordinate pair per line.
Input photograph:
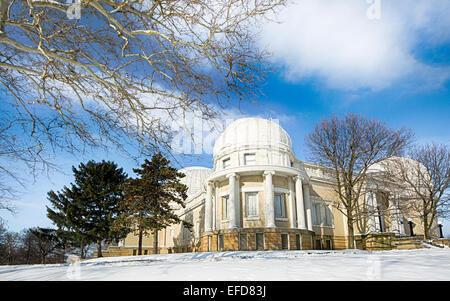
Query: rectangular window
x,y
251,202
318,244
145,252
284,241
209,243
259,241
225,205
134,252
185,233
280,205
243,241
226,163
220,242
328,216
298,245
328,245
249,159
316,214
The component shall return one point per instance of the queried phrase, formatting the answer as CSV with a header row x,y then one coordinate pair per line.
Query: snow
x,y
421,264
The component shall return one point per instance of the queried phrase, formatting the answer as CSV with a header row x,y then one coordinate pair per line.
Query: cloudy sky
x,y
385,59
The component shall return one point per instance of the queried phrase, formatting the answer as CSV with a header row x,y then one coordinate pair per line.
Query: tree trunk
x,y
140,243
155,242
82,255
426,227
351,232
99,248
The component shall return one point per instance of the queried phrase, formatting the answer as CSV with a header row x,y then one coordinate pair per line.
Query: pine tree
x,y
149,199
85,212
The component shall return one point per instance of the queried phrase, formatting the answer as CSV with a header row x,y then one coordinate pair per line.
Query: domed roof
x,y
252,132
395,162
195,179
398,165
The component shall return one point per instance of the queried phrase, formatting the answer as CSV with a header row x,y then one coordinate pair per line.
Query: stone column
x,y
269,206
396,217
292,219
208,208
301,219
308,207
216,206
232,199
237,200
373,220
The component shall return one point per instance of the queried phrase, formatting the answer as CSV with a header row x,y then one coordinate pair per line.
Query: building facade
x,y
259,196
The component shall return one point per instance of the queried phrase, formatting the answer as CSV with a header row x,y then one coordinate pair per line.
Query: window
x,y
316,214
328,216
322,215
280,205
249,159
259,241
220,242
185,233
225,205
134,252
209,243
298,244
251,202
145,252
226,163
243,241
318,244
328,244
284,241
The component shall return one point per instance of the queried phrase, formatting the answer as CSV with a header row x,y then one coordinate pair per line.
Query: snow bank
x,y
424,264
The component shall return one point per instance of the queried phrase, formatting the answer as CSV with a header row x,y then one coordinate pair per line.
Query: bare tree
x,y
349,146
424,178
124,71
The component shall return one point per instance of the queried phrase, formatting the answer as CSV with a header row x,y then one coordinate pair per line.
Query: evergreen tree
x,y
66,215
85,212
149,199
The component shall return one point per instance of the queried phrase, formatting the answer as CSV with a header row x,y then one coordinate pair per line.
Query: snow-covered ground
x,y
423,264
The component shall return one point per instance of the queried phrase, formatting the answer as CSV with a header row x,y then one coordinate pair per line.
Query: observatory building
x,y
259,196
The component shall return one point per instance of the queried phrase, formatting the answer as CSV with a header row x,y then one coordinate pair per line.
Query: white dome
x,y
395,166
396,162
252,133
195,179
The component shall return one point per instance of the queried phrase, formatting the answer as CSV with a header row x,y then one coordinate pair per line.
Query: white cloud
x,y
336,42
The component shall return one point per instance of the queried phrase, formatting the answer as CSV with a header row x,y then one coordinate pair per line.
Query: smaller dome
x,y
195,178
394,165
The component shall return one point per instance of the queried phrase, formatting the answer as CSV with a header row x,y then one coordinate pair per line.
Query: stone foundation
x,y
281,239
272,239
442,242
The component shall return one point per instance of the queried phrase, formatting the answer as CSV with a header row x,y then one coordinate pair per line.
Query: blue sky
x,y
328,57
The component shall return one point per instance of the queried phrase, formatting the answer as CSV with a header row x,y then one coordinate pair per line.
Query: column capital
x,y
268,172
298,178
230,175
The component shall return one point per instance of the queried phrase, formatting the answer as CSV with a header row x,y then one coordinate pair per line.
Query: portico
x,y
237,186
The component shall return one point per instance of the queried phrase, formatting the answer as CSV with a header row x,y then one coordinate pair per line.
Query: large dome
x,y
252,133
